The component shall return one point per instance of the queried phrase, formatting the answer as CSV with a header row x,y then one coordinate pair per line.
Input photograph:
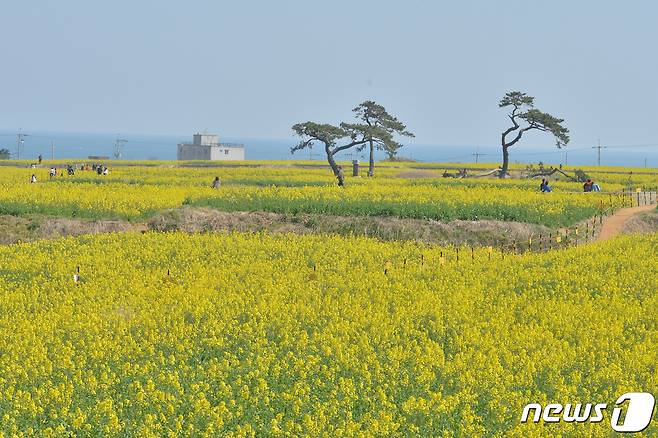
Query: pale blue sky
x,y
253,68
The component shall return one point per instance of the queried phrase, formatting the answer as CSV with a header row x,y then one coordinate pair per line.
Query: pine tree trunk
x,y
503,170
338,173
371,168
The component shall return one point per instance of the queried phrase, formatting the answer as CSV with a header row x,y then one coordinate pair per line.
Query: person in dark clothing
x,y
587,187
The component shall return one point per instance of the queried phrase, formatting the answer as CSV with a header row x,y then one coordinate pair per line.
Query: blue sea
x,y
163,147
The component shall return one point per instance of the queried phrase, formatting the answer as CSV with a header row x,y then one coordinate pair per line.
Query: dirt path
x,y
614,225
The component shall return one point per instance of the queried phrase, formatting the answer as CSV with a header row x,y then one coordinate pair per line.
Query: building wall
x,y
205,139
216,153
226,153
193,152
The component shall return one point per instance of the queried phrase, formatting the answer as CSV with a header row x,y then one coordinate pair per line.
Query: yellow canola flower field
x,y
282,335
443,202
138,192
70,199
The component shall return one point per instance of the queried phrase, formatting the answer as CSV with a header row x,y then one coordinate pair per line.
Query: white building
x,y
208,147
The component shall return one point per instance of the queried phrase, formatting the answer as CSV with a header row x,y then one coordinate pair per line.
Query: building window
x,y
225,151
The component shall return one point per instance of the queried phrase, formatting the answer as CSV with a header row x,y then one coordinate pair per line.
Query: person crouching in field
x,y
591,186
544,187
33,179
587,187
216,183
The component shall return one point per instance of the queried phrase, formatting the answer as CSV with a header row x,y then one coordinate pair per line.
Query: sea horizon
x,y
81,145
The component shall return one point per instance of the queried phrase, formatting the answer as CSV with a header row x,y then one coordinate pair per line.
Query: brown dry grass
x,y
195,220
22,229
483,232
643,223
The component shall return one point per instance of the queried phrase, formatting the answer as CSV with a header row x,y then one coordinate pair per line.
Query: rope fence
x,y
562,238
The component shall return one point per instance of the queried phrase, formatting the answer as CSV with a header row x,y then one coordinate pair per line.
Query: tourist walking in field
x,y
33,179
52,172
216,183
340,176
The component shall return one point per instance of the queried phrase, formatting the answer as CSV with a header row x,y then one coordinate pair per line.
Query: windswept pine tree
x,y
524,118
375,115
